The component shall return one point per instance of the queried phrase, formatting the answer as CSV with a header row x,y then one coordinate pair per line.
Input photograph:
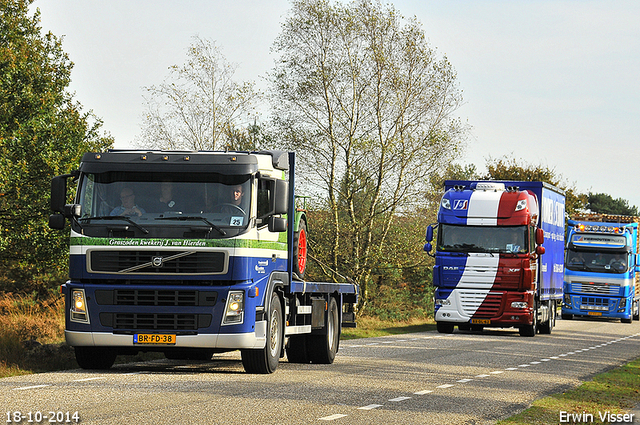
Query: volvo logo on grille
x,y
157,261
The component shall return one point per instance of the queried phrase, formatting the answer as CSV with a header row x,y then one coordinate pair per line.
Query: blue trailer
x,y
192,253
499,255
601,267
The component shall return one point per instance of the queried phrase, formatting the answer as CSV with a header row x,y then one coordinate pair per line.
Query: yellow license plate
x,y
154,339
481,321
595,313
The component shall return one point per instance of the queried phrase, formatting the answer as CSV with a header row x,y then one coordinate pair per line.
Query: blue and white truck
x,y
601,267
193,253
498,256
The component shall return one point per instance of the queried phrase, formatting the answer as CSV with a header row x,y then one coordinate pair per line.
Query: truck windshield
x,y
597,261
156,203
503,239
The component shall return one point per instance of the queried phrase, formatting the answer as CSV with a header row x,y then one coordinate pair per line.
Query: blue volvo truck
x,y
499,256
193,253
601,267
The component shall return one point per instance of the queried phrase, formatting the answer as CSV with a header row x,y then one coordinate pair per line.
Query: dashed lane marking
x,y
32,387
333,417
370,407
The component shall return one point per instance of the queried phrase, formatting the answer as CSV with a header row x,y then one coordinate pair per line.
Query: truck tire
x,y
300,250
547,327
532,329
265,360
567,316
95,357
445,327
322,349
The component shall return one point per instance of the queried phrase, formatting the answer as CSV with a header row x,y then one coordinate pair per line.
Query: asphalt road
x,y
419,378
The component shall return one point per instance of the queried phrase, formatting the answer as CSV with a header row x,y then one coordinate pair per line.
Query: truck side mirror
x,y
429,236
427,247
56,221
281,197
277,224
539,236
58,193
540,250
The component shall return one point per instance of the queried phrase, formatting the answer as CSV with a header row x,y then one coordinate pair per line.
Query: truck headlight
x,y
234,311
519,304
78,308
442,302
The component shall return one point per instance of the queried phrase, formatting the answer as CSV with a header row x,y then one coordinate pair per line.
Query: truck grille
x,y
480,304
595,288
150,297
591,303
156,322
157,262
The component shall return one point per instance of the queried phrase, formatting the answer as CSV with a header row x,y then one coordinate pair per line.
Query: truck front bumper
x,y
249,340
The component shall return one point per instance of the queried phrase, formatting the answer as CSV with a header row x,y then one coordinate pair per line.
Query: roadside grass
x,y
32,337
369,327
31,333
616,392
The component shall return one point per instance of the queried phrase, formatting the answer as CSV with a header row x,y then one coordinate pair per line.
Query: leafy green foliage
x,y
604,204
42,134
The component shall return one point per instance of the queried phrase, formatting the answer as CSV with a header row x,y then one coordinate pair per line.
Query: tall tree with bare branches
x,y
199,105
368,105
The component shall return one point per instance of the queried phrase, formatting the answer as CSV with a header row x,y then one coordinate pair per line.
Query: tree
x,y
604,204
199,106
508,168
42,134
367,105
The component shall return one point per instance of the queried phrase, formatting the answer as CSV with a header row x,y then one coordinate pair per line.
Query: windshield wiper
x,y
116,217
194,218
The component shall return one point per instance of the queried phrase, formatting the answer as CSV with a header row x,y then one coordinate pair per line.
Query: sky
x,y
551,83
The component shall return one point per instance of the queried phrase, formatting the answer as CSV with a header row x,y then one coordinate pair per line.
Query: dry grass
x,y
32,335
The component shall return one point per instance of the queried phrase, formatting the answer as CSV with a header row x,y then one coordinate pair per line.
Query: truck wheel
x,y
445,327
566,316
530,330
297,349
265,360
300,250
95,357
545,328
629,320
323,348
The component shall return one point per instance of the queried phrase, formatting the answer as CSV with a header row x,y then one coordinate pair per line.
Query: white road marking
x,y
332,417
370,407
31,387
88,379
423,392
445,386
400,399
